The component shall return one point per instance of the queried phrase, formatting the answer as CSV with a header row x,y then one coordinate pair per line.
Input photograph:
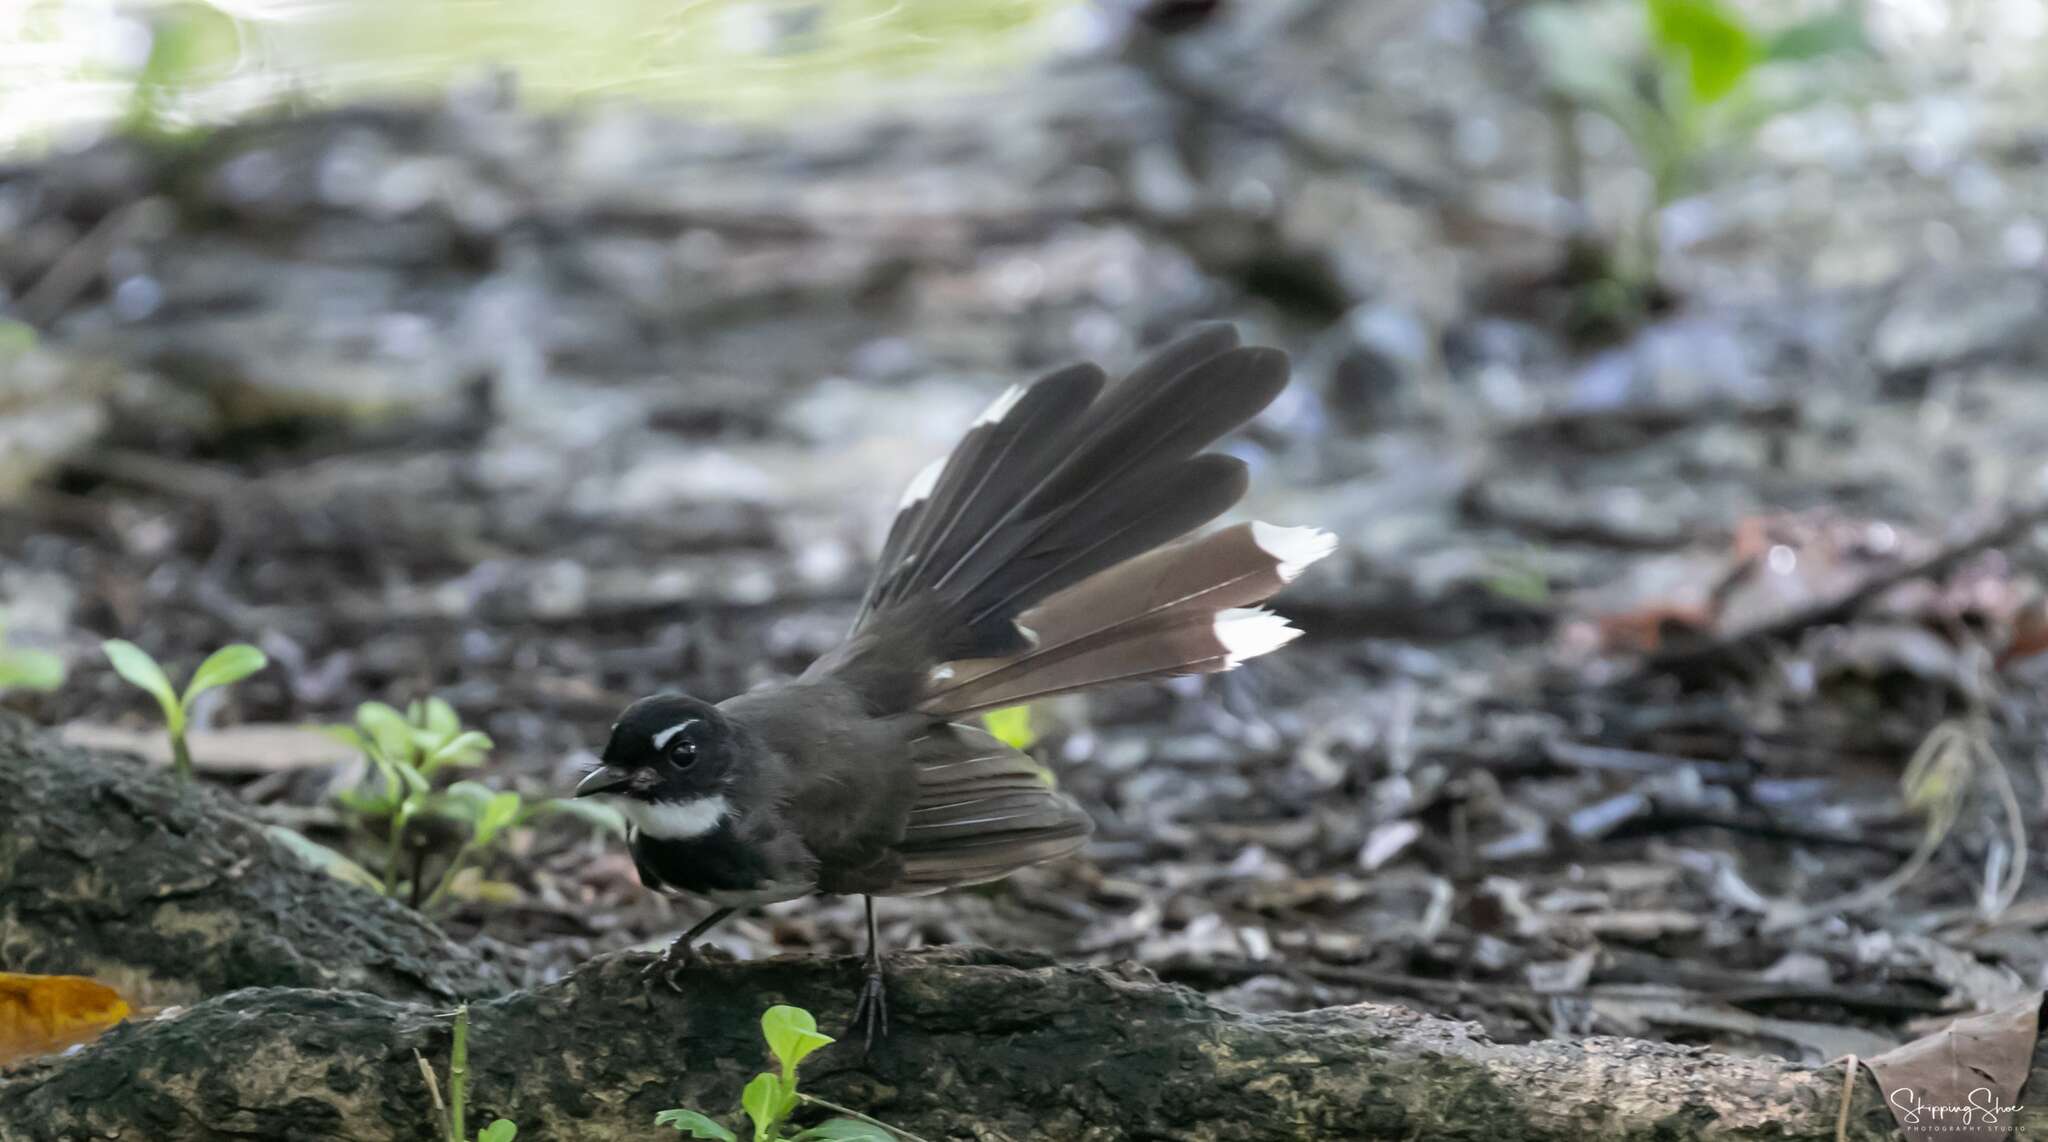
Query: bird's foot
x,y
871,1014
668,968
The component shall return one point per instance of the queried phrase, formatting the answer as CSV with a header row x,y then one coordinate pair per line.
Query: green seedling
x,y
409,754
405,752
224,667
772,1096
1683,80
453,1111
23,669
490,814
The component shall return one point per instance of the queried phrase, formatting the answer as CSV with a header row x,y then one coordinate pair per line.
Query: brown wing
x,y
983,811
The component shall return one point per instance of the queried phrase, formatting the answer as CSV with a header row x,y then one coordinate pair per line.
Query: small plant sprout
x,y
406,751
454,1110
409,754
23,669
772,1096
1682,80
224,667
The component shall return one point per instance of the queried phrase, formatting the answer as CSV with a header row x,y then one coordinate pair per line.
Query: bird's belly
x,y
772,892
718,868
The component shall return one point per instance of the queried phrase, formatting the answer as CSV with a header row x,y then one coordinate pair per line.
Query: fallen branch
x,y
173,894
982,1045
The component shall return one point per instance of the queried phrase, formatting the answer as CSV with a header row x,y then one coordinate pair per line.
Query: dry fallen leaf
x,y
1962,1083
43,1014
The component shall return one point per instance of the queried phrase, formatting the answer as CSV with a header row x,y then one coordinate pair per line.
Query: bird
x,y
1049,552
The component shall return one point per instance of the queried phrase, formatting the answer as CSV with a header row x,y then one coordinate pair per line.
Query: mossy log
x,y
108,868
981,1046
175,893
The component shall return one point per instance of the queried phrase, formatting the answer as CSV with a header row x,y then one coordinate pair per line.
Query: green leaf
x,y
695,1125
845,1130
323,858
500,812
368,804
1011,725
500,1130
763,1102
1708,40
595,814
792,1035
465,750
415,782
387,728
1831,33
465,801
134,664
224,667
439,718
30,670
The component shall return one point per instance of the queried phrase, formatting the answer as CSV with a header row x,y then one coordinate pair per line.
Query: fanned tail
x,y
1182,609
1030,560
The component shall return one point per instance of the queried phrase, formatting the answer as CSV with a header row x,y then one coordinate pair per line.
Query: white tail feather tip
x,y
1247,632
1294,548
921,485
1001,406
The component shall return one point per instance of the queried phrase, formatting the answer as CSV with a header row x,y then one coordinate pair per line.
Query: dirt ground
x,y
1606,699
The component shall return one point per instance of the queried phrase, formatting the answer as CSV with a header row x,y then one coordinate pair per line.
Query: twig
x,y
849,1112
433,1089
1571,754
1848,1092
1696,659
1155,61
1938,769
74,269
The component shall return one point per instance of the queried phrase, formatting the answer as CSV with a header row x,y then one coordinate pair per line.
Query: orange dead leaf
x,y
2029,634
43,1014
1645,629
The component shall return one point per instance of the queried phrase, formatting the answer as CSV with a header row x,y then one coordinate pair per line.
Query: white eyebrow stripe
x,y
662,739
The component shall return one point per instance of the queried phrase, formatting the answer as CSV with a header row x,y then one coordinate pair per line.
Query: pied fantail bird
x,y
1044,555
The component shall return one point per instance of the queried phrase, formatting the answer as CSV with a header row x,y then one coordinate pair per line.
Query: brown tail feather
x,y
1181,609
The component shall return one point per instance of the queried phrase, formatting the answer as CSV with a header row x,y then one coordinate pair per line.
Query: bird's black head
x,y
667,767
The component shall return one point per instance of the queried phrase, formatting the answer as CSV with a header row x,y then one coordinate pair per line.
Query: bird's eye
x,y
683,752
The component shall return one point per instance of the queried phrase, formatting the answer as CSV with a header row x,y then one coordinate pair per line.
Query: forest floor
x,y
1606,699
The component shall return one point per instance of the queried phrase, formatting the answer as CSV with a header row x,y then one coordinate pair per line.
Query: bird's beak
x,y
600,780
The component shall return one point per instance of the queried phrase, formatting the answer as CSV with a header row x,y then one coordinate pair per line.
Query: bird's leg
x,y
681,954
871,1014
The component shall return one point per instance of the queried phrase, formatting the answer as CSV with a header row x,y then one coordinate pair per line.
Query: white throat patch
x,y
674,820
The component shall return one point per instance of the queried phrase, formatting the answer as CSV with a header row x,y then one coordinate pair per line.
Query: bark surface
x,y
982,1046
173,894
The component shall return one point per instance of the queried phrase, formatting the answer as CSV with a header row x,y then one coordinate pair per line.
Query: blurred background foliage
x,y
72,66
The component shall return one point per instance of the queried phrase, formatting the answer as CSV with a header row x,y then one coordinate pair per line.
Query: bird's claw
x,y
669,967
871,1013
